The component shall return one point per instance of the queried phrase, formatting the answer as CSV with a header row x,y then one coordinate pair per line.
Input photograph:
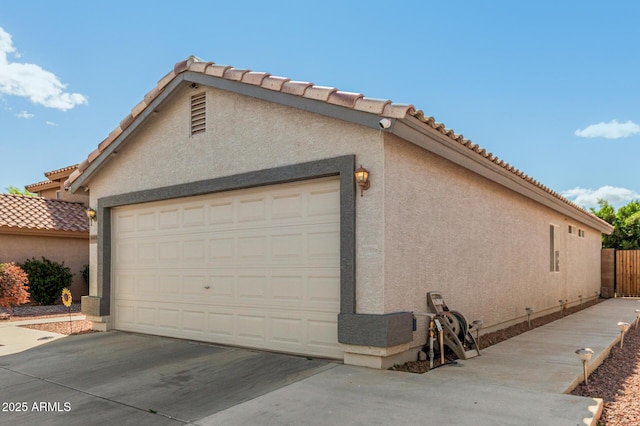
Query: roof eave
x,y
414,131
112,148
37,232
42,186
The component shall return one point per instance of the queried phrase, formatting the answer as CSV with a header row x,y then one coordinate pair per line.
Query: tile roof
x,y
53,177
330,95
64,169
41,183
36,213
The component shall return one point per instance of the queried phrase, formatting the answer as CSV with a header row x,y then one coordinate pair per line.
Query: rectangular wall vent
x,y
198,113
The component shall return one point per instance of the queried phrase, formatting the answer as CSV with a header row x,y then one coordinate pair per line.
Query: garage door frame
x,y
342,166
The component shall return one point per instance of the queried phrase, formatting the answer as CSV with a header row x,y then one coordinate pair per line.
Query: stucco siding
x,y
74,252
486,248
244,134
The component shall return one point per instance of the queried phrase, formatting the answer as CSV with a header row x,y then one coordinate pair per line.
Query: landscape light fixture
x,y
585,355
637,317
529,312
623,326
362,178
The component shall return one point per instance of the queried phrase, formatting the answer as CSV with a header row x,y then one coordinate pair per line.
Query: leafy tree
x,y
14,190
13,285
626,223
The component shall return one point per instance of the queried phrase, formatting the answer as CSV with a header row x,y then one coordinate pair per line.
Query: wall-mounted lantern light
x,y
91,214
362,178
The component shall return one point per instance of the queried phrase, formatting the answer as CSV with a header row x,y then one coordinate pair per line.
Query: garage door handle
x,y
207,287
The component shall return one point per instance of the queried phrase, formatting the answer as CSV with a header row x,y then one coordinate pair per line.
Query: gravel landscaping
x,y
617,382
32,312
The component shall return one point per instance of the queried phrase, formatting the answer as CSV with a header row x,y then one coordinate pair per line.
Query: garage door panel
x,y
222,248
252,248
168,286
168,218
251,329
288,288
168,318
256,268
286,207
146,221
287,331
194,321
194,215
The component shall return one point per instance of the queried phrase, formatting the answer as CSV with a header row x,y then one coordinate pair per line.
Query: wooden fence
x,y
627,272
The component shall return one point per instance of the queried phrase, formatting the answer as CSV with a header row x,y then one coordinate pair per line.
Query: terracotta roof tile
x,y
37,184
126,122
274,83
295,87
217,70
63,169
355,101
373,106
392,110
137,110
164,81
234,74
319,93
345,99
255,78
36,213
199,66
94,154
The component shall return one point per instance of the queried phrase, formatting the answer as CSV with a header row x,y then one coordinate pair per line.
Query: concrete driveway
x,y
120,379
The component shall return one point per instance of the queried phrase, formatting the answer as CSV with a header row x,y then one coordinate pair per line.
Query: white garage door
x,y
257,268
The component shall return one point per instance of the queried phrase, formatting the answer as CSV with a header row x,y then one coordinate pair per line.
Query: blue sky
x,y
550,87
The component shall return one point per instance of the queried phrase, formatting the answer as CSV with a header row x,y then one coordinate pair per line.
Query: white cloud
x,y
610,130
51,123
41,87
24,114
589,197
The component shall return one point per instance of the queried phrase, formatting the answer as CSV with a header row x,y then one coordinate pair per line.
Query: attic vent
x,y
198,113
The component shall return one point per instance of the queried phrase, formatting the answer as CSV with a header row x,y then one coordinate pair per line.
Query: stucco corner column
x,y
376,340
94,311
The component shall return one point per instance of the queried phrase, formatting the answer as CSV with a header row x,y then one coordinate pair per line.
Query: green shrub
x,y
46,279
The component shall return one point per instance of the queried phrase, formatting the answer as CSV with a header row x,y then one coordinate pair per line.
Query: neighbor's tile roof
x,y
39,184
330,95
36,213
64,169
54,177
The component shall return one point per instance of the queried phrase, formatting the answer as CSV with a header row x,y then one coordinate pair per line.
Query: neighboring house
x,y
227,212
53,187
35,227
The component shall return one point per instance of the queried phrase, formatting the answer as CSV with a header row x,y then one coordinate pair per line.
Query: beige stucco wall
x,y
74,252
246,134
483,246
78,197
